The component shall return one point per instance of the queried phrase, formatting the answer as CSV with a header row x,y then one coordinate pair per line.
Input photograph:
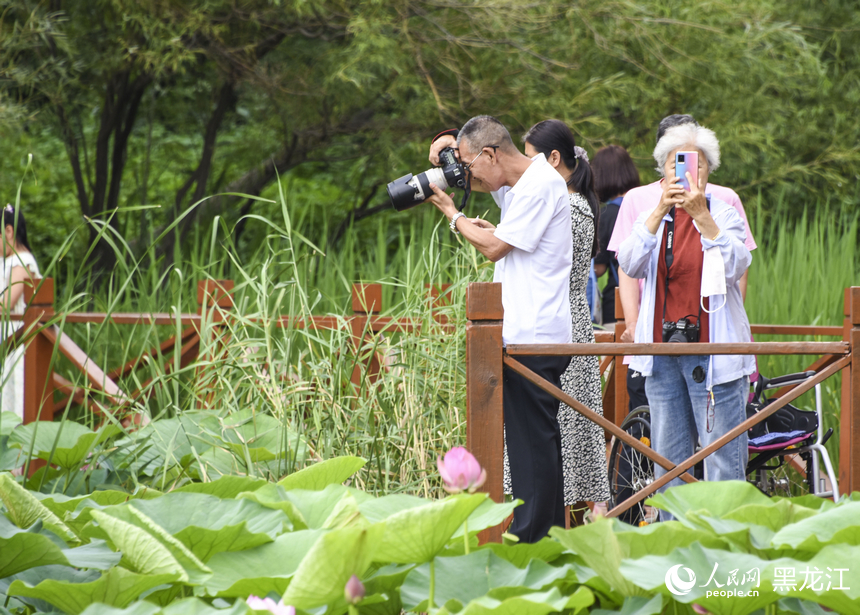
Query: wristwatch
x,y
453,224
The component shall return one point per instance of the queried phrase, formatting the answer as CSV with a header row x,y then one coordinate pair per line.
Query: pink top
x,y
645,198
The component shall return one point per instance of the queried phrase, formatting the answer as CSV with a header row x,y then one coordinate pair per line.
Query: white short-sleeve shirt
x,y
535,275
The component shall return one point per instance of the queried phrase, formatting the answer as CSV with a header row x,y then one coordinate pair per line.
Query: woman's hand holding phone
x,y
673,195
695,203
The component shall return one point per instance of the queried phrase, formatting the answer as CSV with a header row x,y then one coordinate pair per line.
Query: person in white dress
x,y
18,265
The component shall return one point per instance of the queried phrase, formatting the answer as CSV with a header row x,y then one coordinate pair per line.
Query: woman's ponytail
x,y
550,135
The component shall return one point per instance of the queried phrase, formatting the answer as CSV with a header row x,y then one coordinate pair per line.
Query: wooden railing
x,y
45,342
486,358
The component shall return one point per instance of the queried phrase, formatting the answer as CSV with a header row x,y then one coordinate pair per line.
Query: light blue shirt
x,y
637,257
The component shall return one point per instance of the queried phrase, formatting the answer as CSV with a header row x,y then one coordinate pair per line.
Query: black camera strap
x,y
669,257
466,193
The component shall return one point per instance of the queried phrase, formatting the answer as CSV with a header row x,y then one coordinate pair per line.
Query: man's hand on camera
x,y
479,233
439,144
442,201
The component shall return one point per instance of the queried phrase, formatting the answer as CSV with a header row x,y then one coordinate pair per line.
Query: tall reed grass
x,y
251,368
798,277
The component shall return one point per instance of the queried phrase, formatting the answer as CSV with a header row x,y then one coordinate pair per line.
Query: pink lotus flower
x,y
700,610
461,471
354,590
267,604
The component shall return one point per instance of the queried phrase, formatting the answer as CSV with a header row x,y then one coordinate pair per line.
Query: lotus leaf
x,y
333,559
488,514
34,576
117,587
255,437
260,570
8,422
208,525
66,444
188,606
836,525
225,487
712,498
650,573
636,605
466,578
604,544
322,474
537,603
143,552
27,549
416,535
24,509
520,554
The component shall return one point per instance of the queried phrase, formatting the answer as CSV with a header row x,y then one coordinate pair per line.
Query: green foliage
x,y
127,104
150,562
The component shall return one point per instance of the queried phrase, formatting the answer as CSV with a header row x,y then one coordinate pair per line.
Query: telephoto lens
x,y
409,191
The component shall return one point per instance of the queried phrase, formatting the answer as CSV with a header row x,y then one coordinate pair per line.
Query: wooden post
x,y
438,296
213,296
38,382
215,292
485,417
622,399
849,432
366,303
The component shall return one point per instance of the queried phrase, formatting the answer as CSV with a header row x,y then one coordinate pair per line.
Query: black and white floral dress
x,y
583,448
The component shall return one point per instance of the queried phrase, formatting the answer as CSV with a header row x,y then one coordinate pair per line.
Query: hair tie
x,y
580,152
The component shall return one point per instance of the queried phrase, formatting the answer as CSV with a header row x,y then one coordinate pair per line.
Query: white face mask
x,y
713,277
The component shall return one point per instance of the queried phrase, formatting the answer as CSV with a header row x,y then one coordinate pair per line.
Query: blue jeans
x,y
679,417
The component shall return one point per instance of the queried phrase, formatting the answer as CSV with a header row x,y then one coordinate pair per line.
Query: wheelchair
x,y
786,453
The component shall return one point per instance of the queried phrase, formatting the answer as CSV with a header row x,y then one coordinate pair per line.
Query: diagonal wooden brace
x,y
591,415
731,435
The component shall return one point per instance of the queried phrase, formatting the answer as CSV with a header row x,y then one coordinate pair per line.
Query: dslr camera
x,y
409,191
680,332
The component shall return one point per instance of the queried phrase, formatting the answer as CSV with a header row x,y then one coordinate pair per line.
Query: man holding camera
x,y
532,249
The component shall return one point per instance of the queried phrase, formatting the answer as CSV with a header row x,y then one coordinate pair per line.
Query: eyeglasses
x,y
469,166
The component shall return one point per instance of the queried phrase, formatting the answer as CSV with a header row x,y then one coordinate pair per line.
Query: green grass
x,y
797,277
416,410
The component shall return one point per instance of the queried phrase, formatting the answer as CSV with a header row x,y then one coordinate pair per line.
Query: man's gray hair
x,y
685,135
484,130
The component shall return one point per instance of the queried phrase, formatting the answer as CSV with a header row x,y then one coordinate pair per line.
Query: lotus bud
x,y
267,604
460,471
700,610
354,590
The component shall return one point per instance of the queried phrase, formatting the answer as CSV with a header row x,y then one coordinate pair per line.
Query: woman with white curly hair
x,y
690,251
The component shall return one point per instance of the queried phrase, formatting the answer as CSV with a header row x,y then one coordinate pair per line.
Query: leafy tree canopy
x,y
128,102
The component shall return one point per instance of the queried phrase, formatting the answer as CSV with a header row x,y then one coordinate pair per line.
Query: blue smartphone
x,y
687,162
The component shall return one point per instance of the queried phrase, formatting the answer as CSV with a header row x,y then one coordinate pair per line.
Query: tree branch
x,y
358,213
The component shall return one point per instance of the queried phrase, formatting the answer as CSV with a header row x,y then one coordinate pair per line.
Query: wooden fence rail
x,y
486,358
44,342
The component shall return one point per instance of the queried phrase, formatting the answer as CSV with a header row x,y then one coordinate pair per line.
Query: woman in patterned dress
x,y
583,448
